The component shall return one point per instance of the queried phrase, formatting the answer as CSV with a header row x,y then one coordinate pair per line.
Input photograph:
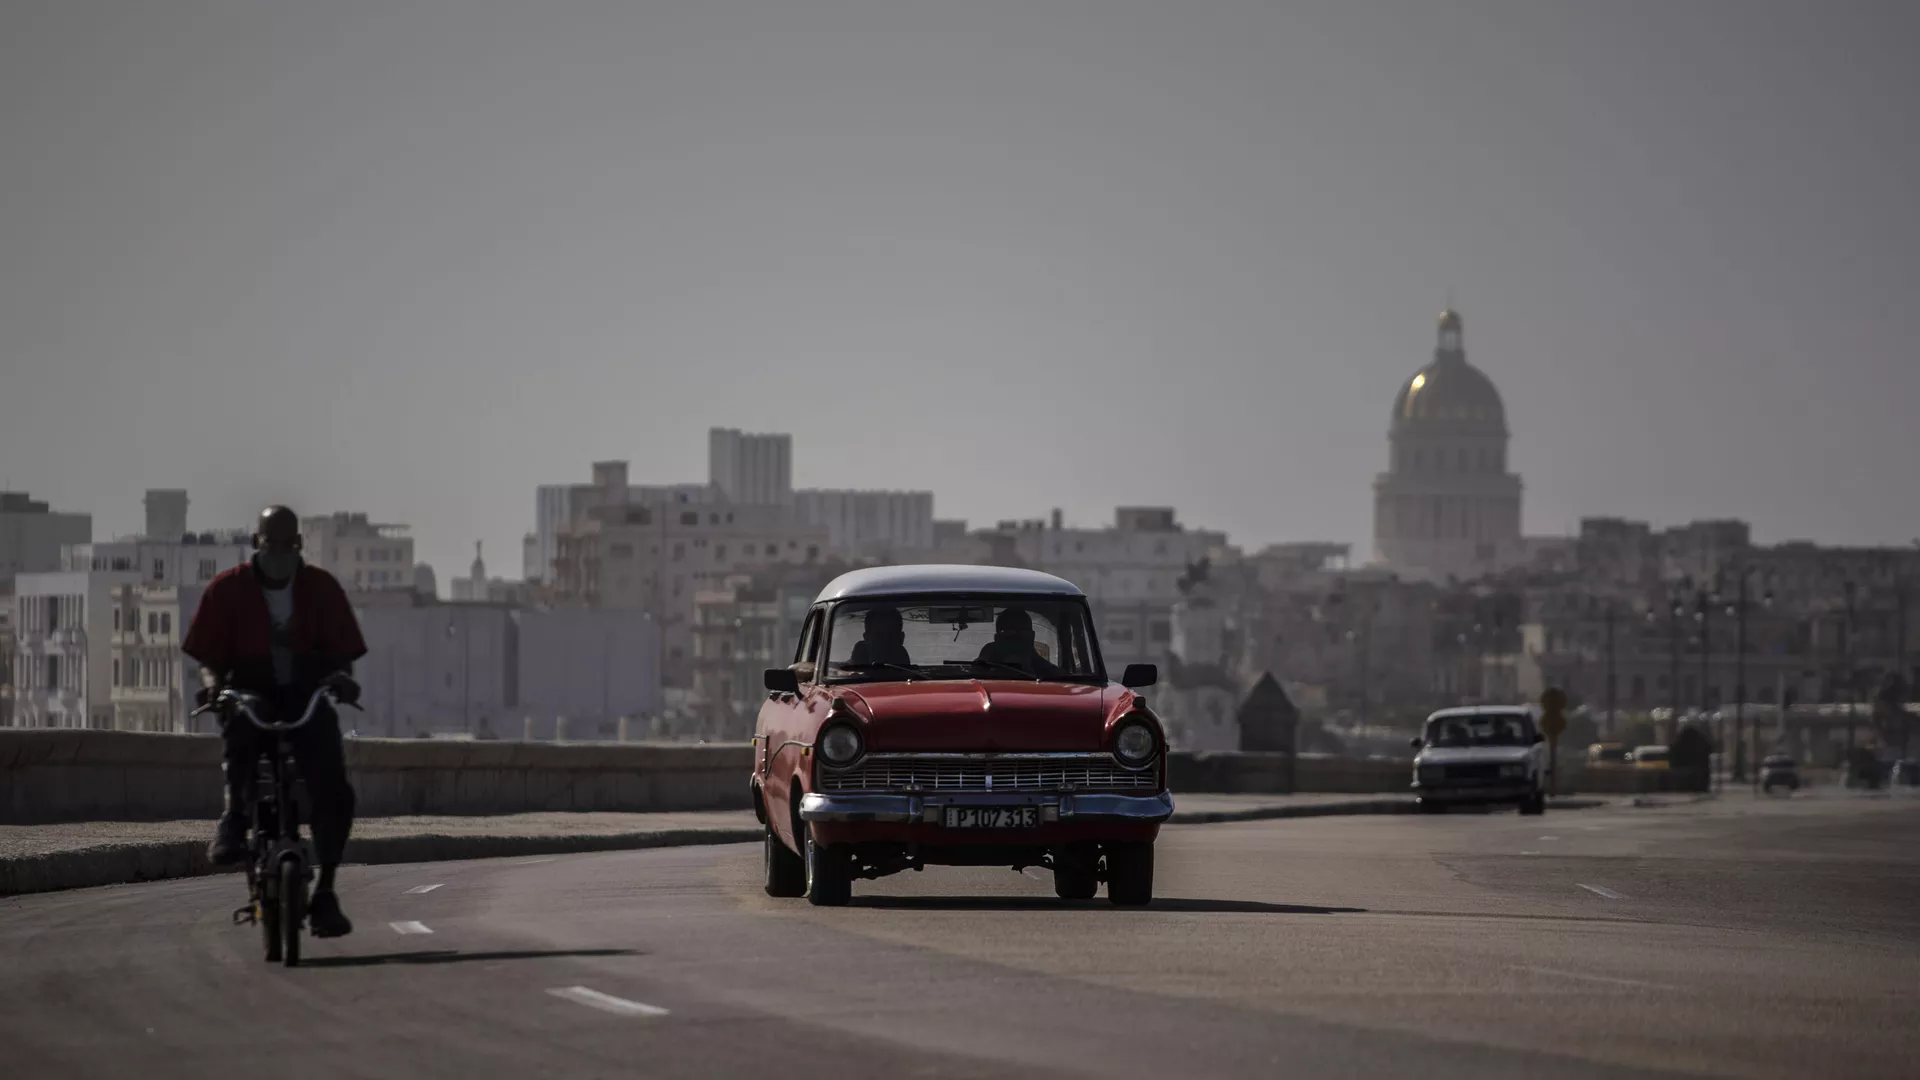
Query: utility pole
x,y
1851,677
1704,613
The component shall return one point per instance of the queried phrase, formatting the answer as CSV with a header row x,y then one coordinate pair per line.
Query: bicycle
x,y
280,861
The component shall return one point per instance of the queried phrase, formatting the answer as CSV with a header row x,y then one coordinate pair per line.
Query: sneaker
x,y
229,845
325,918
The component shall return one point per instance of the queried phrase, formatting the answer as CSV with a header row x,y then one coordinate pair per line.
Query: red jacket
x,y
232,633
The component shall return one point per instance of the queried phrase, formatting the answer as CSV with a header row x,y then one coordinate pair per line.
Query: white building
x,y
63,648
187,559
152,682
558,506
877,523
364,555
478,588
436,669
1130,572
751,469
591,667
31,535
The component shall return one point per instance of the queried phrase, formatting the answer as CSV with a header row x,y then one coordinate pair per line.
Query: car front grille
x,y
1089,772
1475,771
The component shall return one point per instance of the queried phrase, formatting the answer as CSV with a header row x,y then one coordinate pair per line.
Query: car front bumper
x,y
1485,791
1062,808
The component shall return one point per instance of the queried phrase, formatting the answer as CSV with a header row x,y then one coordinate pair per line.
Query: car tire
x,y
1430,806
786,872
1130,874
1534,804
828,874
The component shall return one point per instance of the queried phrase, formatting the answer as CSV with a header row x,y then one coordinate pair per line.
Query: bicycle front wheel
x,y
293,909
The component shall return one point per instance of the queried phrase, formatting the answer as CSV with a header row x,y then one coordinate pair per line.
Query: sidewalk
x,y
44,858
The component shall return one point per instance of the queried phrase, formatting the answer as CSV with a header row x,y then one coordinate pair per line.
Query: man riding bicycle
x,y
279,628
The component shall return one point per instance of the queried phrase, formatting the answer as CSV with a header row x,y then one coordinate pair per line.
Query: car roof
x,y
937,578
1483,710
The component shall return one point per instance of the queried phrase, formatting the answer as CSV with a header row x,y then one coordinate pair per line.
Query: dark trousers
x,y
318,753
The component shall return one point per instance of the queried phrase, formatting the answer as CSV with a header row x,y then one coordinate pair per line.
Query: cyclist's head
x,y
276,538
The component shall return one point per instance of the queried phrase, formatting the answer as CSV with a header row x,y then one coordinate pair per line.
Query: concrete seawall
x,y
51,776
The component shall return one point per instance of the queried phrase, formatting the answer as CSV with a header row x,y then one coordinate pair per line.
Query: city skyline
x,y
404,261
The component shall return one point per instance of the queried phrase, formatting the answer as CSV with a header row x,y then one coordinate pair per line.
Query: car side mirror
x,y
1416,742
1138,675
783,680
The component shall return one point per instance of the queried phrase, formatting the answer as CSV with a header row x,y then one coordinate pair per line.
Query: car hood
x,y
1459,755
980,715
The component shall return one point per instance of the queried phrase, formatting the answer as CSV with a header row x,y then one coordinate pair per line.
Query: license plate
x,y
992,817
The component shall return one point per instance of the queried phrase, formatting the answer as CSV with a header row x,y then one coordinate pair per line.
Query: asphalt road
x,y
1733,938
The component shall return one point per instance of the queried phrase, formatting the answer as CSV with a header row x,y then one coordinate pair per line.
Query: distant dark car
x,y
1906,772
1779,771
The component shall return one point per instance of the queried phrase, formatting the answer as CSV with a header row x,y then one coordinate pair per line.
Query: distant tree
x,y
1691,753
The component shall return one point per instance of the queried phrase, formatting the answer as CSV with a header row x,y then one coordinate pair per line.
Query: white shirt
x,y
280,611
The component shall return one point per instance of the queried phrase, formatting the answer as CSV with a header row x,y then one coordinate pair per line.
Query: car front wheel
x,y
1535,803
786,872
1130,874
829,874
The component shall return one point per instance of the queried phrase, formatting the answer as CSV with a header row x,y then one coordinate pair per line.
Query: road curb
x,y
124,864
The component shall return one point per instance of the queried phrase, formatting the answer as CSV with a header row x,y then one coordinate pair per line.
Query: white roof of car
x,y
938,578
1483,710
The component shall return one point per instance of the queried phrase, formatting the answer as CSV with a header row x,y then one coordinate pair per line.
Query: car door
x,y
786,729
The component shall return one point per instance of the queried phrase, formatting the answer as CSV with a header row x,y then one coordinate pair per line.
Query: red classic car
x,y
956,716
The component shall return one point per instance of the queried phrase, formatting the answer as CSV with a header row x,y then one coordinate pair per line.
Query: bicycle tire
x,y
293,909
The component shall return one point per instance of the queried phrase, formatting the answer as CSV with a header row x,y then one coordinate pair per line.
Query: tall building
x,y
751,469
166,513
1447,506
876,523
31,535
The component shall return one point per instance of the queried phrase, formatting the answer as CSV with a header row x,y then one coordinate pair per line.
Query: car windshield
x,y
1491,729
903,638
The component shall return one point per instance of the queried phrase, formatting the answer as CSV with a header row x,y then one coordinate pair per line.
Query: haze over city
x,y
416,259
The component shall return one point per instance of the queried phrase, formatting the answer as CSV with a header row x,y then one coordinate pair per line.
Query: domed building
x,y
1447,506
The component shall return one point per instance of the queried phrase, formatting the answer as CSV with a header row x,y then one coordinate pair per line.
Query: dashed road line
x,y
1549,838
418,889
410,928
1529,853
1602,890
594,999
1584,977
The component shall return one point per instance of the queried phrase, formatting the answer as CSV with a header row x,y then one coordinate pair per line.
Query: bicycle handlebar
x,y
245,704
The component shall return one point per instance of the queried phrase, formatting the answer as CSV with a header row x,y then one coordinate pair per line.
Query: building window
x,y
116,671
719,552
153,623
166,622
116,620
159,569
691,517
208,568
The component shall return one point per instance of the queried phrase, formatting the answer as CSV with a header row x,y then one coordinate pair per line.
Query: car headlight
x,y
1514,770
841,744
1134,743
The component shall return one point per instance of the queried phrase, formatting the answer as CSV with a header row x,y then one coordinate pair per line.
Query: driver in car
x,y
1013,644
883,640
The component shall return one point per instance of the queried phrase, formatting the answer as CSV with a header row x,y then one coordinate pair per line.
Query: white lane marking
x,y
1032,873
410,928
1529,853
1602,890
533,862
594,999
1583,977
1549,838
418,889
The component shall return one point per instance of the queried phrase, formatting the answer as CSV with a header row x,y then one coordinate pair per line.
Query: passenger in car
x,y
883,641
1013,644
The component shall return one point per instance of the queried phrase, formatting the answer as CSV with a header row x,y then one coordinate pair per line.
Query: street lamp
x,y
1676,607
1704,601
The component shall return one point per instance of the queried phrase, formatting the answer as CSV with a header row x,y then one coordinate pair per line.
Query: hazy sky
x,y
414,258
